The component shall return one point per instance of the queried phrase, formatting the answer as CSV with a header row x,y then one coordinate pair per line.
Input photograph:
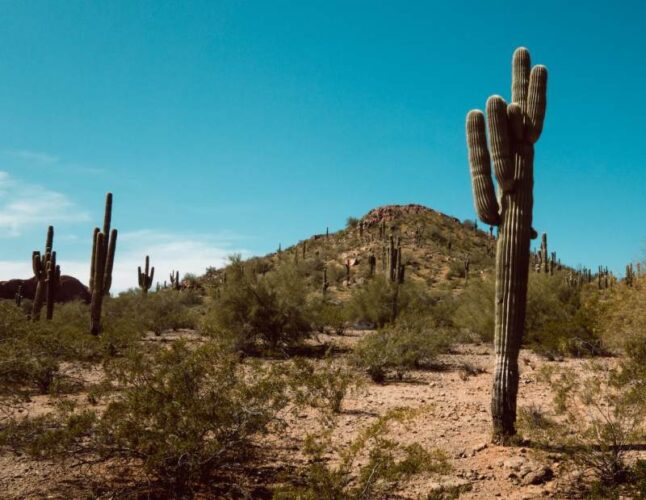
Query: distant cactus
x,y
18,297
544,257
326,284
145,279
174,280
513,130
39,265
630,275
372,264
467,265
104,245
53,281
347,271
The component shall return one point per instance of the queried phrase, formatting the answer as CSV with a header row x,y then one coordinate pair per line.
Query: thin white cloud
x,y
182,252
33,156
186,253
23,205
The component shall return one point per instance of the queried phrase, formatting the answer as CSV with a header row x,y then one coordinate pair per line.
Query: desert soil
x,y
455,418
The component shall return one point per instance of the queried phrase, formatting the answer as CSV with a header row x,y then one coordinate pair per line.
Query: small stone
x,y
538,476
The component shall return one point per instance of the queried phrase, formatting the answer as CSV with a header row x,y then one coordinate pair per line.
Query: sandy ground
x,y
455,418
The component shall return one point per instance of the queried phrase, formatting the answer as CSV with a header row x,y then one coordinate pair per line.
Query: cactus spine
x,y
146,278
104,245
513,130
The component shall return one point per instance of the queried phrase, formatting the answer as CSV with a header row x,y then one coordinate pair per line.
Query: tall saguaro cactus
x,y
39,264
146,278
104,244
513,130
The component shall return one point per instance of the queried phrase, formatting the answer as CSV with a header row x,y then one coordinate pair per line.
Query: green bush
x,y
474,309
408,344
31,352
380,301
271,308
602,424
330,315
387,464
323,386
182,413
558,321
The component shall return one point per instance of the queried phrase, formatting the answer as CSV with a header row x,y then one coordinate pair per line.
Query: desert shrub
x,y
621,314
330,315
386,464
602,424
380,301
456,269
250,308
183,414
408,344
31,352
558,321
351,222
474,309
324,386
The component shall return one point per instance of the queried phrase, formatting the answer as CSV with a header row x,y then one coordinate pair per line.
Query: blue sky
x,y
226,126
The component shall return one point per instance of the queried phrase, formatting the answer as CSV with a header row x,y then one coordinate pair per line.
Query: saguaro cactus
x,y
104,245
174,280
146,278
326,283
39,265
18,297
53,280
513,130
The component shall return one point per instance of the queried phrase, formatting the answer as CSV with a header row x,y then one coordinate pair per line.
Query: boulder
x,y
69,289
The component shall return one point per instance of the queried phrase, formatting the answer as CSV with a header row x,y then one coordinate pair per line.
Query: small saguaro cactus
x,y
53,281
104,245
348,268
372,264
39,265
18,297
467,265
146,278
544,255
513,130
174,280
326,284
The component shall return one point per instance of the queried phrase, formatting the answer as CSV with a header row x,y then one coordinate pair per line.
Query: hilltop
x,y
434,248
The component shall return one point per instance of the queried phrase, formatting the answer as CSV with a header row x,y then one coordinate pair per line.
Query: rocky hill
x,y
435,248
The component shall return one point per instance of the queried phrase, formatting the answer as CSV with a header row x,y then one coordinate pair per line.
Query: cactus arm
x,y
152,275
484,195
93,258
537,102
107,216
109,261
49,242
521,64
499,141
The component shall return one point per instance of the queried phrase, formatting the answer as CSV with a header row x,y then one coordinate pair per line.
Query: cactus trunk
x,y
513,130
